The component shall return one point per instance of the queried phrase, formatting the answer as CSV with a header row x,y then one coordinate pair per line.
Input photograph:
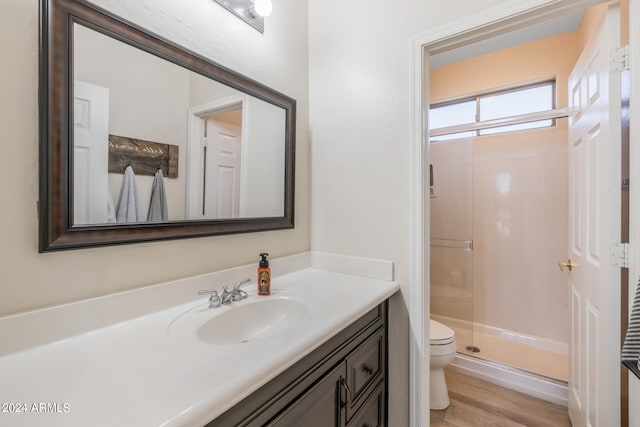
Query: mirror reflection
x,y
156,142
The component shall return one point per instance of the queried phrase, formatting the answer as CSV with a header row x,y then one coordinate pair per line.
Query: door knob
x,y
569,265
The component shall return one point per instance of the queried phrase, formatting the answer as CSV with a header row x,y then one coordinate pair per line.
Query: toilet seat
x,y
440,334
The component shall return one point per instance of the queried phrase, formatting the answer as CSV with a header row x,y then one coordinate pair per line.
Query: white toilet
x,y
443,351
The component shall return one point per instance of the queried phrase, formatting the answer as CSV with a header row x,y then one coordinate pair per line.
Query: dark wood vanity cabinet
x,y
341,384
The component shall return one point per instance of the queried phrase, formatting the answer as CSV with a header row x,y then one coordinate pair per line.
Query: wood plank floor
x,y
477,403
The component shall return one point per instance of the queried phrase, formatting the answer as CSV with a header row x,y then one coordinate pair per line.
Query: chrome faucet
x,y
214,299
236,294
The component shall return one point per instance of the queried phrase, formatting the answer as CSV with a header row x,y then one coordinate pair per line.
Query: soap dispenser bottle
x,y
264,275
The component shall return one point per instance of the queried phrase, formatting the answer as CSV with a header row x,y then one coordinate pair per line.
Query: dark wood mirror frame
x,y
56,128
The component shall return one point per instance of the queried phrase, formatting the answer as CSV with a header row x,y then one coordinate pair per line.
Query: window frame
x,y
477,97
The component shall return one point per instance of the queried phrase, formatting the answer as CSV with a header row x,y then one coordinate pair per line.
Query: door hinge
x,y
619,255
620,60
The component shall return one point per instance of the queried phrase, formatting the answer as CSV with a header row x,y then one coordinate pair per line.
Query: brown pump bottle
x,y
264,275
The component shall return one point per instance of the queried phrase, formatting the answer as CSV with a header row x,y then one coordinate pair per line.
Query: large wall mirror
x,y
143,140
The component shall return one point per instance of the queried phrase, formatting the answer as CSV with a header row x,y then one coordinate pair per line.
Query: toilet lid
x,y
439,332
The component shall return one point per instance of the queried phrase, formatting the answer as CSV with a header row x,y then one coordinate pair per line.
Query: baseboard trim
x,y
549,389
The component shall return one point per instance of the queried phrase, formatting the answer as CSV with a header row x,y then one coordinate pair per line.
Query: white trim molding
x,y
500,19
419,301
634,190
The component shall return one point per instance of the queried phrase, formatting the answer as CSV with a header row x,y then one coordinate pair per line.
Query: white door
x,y
594,226
90,153
223,161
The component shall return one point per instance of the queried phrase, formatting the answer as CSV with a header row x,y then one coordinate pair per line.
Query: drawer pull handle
x,y
367,369
346,386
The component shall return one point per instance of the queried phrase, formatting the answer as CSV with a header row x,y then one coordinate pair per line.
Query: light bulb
x,y
263,7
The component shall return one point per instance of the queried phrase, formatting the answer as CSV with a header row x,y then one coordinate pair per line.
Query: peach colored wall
x,y
548,58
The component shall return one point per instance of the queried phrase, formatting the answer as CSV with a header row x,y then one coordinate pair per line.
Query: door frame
x,y
502,18
195,131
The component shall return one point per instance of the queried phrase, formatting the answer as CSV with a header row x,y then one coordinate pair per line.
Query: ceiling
x,y
533,32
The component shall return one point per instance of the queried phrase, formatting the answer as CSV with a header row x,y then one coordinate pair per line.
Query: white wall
x,y
203,90
29,280
360,92
263,154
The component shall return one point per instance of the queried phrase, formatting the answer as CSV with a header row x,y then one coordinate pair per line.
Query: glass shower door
x,y
451,238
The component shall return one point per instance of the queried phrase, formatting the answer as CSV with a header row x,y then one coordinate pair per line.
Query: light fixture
x,y
250,11
263,7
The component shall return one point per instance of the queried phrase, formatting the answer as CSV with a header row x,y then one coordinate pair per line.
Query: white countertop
x,y
136,374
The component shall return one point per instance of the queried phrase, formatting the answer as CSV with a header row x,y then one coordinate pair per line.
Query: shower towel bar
x,y
467,245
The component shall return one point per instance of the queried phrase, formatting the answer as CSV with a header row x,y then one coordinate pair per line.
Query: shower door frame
x,y
504,17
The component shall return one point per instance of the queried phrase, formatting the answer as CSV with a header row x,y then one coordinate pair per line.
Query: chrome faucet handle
x,y
236,287
227,296
214,299
239,294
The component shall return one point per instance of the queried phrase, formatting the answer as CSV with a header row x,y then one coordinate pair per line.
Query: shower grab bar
x,y
467,245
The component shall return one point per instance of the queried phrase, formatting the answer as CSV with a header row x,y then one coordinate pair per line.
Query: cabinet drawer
x,y
364,368
371,413
318,407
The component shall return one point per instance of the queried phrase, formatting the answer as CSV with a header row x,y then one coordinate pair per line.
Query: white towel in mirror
x,y
128,203
158,205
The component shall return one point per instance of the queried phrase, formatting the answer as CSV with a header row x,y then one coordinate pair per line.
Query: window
x,y
486,107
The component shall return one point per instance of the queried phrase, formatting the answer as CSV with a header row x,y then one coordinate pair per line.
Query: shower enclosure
x,y
498,226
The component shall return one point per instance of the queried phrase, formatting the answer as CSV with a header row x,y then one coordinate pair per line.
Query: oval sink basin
x,y
252,320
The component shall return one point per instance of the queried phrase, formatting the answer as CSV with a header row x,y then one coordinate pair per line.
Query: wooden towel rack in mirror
x,y
232,138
